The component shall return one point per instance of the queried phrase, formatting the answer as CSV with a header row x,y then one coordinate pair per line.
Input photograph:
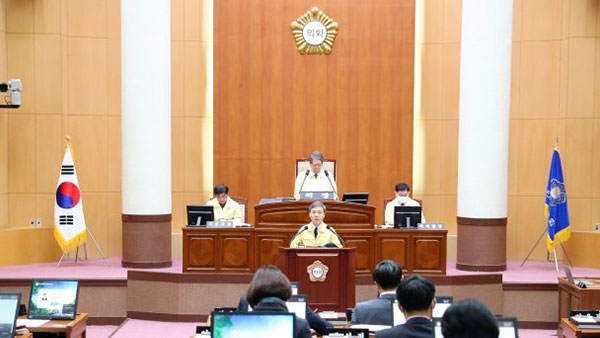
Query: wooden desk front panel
x,y
245,249
218,250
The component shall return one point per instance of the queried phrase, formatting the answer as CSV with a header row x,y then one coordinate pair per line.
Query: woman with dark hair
x,y
268,291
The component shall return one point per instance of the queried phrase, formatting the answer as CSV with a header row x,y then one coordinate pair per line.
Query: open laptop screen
x,y
297,305
507,327
441,305
53,299
253,325
9,309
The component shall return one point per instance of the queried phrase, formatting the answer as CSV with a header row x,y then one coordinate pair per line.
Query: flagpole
x,y
555,260
533,248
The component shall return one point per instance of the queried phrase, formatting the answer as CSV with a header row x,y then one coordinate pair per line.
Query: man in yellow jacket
x,y
316,233
224,207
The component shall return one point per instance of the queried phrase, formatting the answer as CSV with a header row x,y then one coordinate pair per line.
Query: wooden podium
x,y
327,275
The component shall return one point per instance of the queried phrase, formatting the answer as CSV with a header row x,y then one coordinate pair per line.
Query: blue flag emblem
x,y
557,211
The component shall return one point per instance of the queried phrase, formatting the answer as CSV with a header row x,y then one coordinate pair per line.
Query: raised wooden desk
x,y
572,297
240,250
570,330
72,328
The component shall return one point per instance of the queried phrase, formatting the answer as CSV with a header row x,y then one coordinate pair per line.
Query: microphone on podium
x,y
304,228
336,235
305,177
330,183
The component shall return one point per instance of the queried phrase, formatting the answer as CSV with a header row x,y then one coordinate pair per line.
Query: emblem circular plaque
x,y
317,272
314,33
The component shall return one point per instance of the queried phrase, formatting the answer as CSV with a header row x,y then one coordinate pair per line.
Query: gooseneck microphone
x,y
329,179
304,180
336,235
304,228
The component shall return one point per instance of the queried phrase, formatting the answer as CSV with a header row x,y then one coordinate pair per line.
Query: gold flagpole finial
x,y
556,142
68,140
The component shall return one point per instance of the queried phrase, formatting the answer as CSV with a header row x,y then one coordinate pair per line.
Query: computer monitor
x,y
53,299
295,287
442,303
198,215
253,324
407,216
356,197
9,310
507,327
398,316
297,305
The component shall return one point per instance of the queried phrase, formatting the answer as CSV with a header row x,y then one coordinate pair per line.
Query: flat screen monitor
x,y
53,299
295,287
297,305
198,215
507,327
9,310
253,325
356,197
442,303
398,316
407,216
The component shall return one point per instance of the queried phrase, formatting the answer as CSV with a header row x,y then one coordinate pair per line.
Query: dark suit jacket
x,y
376,311
314,320
418,327
302,329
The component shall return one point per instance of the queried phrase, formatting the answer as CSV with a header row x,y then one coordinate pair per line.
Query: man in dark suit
x,y
416,297
387,275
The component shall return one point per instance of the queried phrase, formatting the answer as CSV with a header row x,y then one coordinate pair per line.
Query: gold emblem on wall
x,y
317,271
314,32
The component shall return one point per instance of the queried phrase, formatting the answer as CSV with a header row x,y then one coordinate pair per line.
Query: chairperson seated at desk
x,y
224,207
316,178
316,233
402,199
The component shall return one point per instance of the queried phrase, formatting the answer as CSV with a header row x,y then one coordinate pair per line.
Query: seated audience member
x,y
387,275
416,298
402,199
314,320
316,180
469,319
225,208
268,292
316,233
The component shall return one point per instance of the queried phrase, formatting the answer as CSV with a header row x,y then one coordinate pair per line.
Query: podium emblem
x,y
317,271
314,32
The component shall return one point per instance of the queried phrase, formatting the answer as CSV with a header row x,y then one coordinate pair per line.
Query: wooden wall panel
x,y
273,105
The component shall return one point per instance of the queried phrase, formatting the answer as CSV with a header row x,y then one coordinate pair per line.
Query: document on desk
x,y
31,322
371,328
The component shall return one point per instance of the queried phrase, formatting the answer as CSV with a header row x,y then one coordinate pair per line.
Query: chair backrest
x,y
329,165
243,206
388,200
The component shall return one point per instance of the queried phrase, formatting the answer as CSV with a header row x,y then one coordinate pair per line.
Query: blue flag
x,y
557,211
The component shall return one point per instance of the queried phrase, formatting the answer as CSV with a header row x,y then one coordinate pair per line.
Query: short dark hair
x,y
268,281
469,319
402,187
415,293
221,189
317,204
387,274
315,155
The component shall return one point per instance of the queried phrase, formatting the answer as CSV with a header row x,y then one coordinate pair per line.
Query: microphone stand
x,y
304,180
330,183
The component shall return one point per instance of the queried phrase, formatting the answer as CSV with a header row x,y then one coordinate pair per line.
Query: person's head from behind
x,y
315,160
469,319
387,275
221,192
268,281
416,296
402,190
316,212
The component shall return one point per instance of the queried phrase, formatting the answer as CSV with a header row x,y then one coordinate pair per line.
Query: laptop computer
x,y
356,197
253,324
53,299
441,305
580,283
297,305
9,311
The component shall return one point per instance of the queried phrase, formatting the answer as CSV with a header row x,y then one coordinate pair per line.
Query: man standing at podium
x,y
316,233
224,207
402,199
316,178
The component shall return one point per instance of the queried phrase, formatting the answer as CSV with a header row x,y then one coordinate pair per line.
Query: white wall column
x,y
485,68
146,132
